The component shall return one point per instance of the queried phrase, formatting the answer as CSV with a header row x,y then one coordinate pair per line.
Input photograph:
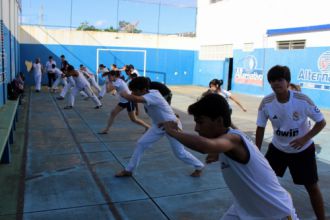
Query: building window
x,y
215,52
291,44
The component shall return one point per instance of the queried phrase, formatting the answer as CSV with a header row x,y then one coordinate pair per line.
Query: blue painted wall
x,y
306,66
8,62
205,71
165,65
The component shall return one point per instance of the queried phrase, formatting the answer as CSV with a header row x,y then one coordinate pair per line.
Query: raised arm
x,y
133,98
237,102
201,144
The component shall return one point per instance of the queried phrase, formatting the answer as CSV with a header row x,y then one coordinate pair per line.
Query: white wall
x,y
37,35
245,21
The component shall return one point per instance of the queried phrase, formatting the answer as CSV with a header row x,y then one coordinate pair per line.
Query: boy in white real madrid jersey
x,y
292,145
254,185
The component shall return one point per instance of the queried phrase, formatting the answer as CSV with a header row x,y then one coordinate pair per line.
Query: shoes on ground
x,y
68,107
124,173
98,107
60,98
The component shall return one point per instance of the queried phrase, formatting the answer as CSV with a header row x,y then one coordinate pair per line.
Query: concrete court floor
x,y
69,170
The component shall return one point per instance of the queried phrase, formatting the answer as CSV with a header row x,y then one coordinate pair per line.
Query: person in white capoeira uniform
x,y
119,85
103,69
257,192
50,73
81,84
60,78
90,77
37,74
292,145
158,110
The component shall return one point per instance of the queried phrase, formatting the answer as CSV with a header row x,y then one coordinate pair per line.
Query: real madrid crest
x,y
295,116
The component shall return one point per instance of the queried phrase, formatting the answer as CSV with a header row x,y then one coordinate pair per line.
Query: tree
x,y
85,26
110,29
127,27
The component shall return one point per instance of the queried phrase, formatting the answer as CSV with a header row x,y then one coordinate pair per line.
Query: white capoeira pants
x,y
88,91
104,88
151,136
58,81
37,81
94,84
232,214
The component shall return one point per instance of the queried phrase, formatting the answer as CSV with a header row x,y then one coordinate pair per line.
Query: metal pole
x,y
71,16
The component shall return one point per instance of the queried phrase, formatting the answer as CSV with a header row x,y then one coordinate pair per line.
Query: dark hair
x,y
115,73
216,82
133,75
53,65
212,106
131,66
50,57
101,65
81,65
70,68
139,83
279,72
62,56
114,65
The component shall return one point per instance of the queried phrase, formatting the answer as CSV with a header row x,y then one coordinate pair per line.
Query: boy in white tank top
x,y
254,185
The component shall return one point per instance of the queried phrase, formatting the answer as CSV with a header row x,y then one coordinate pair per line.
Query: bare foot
x,y
124,173
196,173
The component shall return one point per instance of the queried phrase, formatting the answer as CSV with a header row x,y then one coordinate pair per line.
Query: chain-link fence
x,y
132,16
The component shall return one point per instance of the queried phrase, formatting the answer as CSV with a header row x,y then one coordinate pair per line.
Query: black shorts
x,y
302,165
130,106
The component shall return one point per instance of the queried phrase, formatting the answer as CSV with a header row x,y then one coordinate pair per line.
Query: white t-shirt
x,y
58,72
121,86
49,65
157,107
80,81
226,95
289,120
257,192
37,68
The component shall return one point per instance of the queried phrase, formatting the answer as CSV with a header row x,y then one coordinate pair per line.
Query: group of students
x,y
250,176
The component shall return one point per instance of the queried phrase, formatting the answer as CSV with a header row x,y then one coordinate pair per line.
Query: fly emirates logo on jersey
x,y
290,133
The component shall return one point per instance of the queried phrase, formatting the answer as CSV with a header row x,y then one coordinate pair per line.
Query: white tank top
x,y
257,192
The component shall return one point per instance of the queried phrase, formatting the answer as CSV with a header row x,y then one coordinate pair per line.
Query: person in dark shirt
x,y
162,88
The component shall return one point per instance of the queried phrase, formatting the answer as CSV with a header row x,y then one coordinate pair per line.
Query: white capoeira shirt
x,y
121,86
157,107
289,120
257,193
49,65
80,81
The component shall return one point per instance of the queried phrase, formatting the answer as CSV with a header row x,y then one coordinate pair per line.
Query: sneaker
x,y
68,107
60,98
98,107
100,97
124,173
